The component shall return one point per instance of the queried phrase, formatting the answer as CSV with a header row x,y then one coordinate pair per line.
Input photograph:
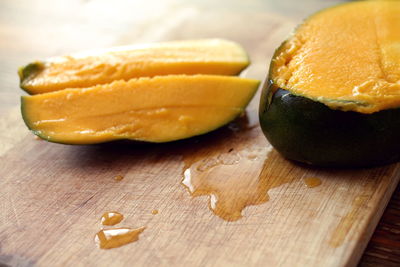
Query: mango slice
x,y
158,109
208,56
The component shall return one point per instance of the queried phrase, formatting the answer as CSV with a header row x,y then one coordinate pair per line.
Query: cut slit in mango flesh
x,y
158,109
208,56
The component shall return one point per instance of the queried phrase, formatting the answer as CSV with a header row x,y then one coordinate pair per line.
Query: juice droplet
x,y
224,158
312,182
207,163
117,237
251,153
230,158
118,178
111,218
154,212
232,187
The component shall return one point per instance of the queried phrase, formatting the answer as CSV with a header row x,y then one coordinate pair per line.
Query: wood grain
x,y
52,196
384,246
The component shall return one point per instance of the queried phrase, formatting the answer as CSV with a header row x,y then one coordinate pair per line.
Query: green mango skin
x,y
310,132
27,72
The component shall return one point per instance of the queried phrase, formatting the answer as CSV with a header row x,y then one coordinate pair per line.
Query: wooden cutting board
x,y
226,198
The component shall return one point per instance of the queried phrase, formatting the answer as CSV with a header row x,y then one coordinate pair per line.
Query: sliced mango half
x,y
158,109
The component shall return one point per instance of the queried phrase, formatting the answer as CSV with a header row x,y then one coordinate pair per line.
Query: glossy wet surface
x,y
312,182
111,218
117,237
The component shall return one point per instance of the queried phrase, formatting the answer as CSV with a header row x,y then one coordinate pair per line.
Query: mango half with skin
x,y
332,96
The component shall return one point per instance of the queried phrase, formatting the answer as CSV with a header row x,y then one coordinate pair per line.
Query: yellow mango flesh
x,y
158,109
209,56
347,57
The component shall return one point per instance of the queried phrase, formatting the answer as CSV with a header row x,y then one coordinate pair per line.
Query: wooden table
x,y
32,30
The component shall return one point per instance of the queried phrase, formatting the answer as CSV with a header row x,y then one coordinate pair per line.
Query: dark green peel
x,y
310,132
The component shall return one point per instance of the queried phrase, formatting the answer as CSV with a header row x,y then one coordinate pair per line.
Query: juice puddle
x,y
312,182
118,178
111,218
235,167
232,181
117,237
